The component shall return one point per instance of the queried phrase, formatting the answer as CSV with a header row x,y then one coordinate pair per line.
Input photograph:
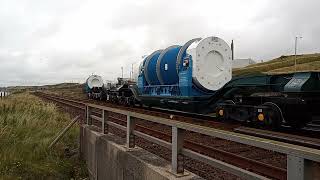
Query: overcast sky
x,y
45,42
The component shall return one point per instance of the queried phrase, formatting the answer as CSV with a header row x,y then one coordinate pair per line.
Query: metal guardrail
x,y
301,161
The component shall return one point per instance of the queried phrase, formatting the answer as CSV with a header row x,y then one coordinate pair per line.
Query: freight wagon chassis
x,y
270,112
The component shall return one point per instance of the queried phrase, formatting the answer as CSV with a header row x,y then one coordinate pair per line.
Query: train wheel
x,y
299,117
127,101
275,117
132,102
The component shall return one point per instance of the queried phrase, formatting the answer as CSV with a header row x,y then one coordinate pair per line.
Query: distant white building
x,y
240,63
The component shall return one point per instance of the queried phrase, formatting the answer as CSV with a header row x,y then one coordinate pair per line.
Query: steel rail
x,y
154,110
283,137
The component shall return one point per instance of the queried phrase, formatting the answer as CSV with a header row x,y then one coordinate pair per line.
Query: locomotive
x,y
94,87
120,92
197,77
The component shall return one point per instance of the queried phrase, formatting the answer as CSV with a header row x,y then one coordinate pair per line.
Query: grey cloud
x,y
30,30
164,22
278,25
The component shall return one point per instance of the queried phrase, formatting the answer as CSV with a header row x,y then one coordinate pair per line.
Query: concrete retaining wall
x,y
108,158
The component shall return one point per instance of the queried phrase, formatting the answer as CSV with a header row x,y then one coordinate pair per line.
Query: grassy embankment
x,y
27,127
283,64
75,91
62,89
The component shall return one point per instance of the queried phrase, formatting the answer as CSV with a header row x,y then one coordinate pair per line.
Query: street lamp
x,y
295,52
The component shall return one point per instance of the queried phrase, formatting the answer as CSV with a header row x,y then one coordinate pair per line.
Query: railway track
x,y
283,137
196,118
206,120
200,119
233,158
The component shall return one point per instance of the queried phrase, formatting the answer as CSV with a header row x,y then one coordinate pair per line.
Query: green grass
x,y
283,64
76,92
311,66
27,127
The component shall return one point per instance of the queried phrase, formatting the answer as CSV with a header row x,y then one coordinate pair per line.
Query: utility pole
x,y
122,72
295,52
131,71
232,50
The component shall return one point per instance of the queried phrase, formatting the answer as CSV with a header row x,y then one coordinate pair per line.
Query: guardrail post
x,y
88,113
177,145
104,118
130,128
299,168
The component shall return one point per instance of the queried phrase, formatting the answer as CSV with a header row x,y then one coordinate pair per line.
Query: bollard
x,y
105,127
177,145
130,128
